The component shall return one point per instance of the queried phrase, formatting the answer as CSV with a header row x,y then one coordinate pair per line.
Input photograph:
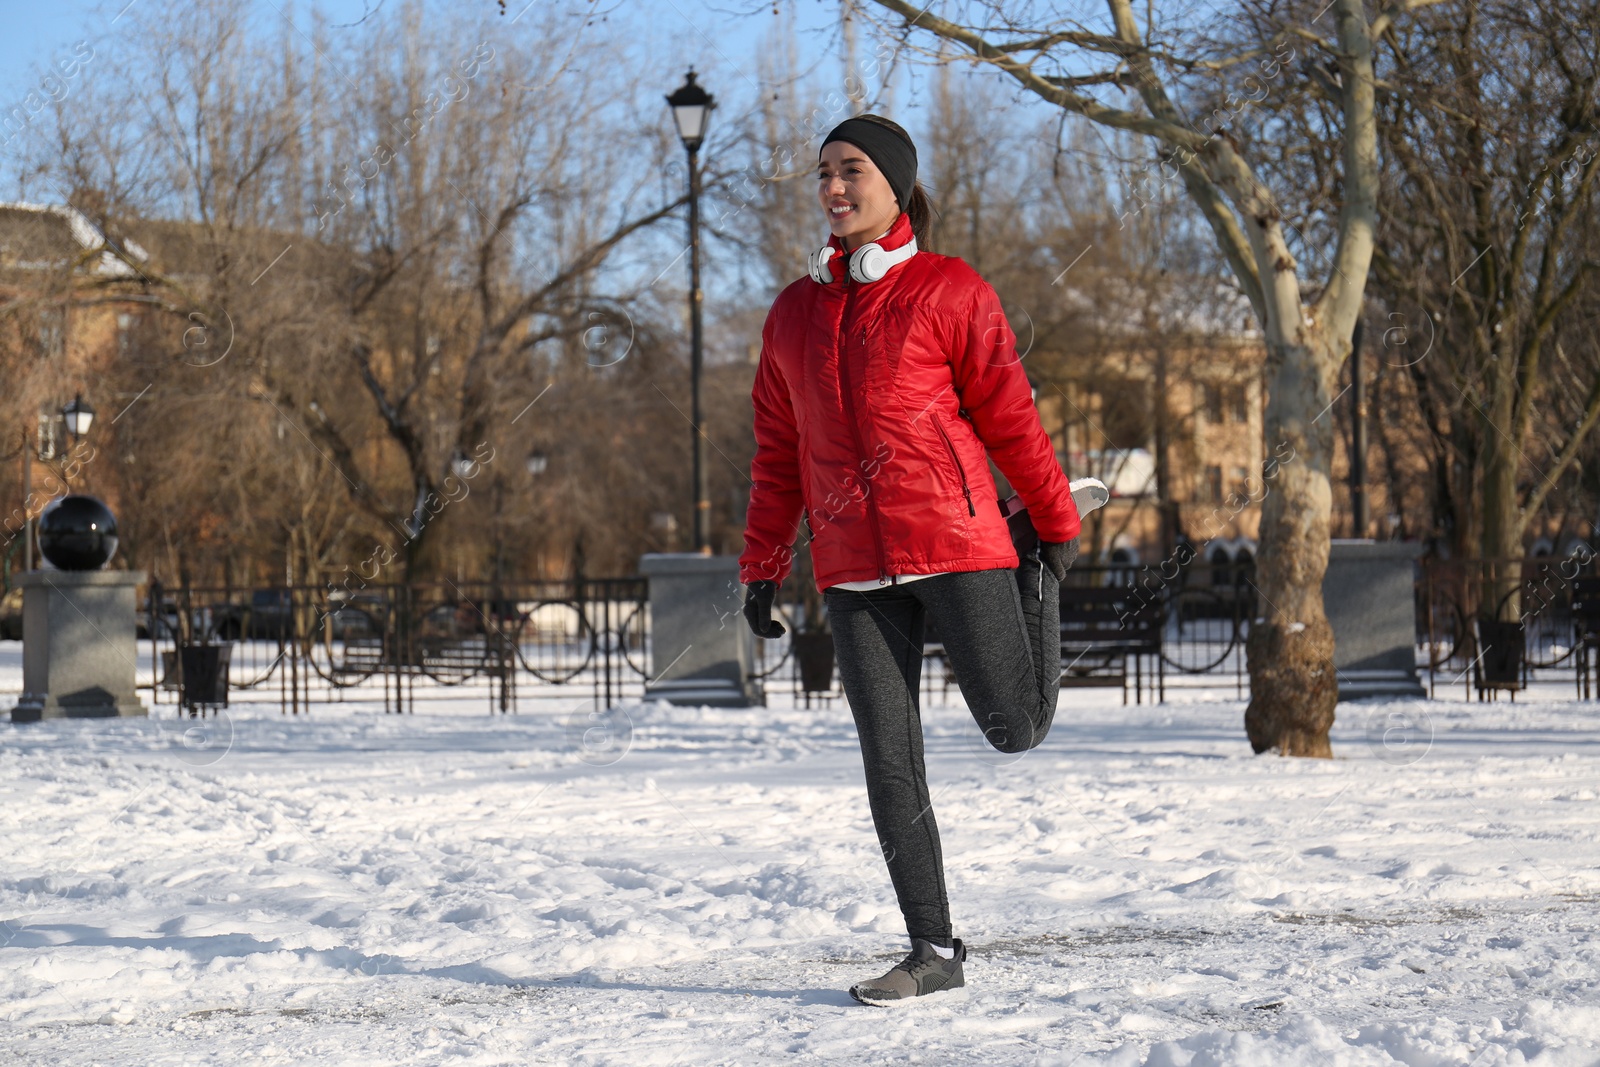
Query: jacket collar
x,y
898,234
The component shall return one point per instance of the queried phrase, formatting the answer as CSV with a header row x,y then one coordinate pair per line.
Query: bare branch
x,y
1387,17
1569,450
1121,78
1117,118
1340,303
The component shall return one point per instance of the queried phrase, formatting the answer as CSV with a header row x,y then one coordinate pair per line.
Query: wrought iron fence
x,y
315,643
1204,608
1545,608
399,644
1203,611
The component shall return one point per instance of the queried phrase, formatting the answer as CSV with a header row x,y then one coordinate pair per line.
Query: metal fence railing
x,y
398,645
1203,615
1508,624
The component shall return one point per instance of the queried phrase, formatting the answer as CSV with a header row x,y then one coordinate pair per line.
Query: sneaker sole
x,y
871,1003
1088,494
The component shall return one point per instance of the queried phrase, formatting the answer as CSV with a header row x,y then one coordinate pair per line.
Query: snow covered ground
x,y
670,886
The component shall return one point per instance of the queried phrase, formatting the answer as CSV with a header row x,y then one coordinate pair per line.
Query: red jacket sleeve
x,y
773,517
995,394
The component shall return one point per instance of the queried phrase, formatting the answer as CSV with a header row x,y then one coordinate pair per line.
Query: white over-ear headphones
x,y
868,263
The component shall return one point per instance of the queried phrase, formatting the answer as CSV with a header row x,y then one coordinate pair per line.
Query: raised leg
x,y
1002,632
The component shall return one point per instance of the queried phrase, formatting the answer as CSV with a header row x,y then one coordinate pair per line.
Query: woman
x,y
884,378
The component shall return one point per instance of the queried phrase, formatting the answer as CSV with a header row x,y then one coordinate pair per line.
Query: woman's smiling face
x,y
856,197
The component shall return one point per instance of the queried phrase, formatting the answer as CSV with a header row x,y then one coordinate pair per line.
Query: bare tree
x,y
390,231
1293,683
1490,125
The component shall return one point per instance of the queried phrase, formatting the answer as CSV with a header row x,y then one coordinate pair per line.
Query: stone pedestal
x,y
78,645
1368,595
702,651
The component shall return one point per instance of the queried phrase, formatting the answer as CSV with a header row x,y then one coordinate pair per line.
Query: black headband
x,y
892,153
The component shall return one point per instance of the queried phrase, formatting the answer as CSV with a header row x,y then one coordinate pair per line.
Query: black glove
x,y
758,598
1059,556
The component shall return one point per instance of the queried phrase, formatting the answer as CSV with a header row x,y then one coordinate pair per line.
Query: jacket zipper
x,y
855,427
959,468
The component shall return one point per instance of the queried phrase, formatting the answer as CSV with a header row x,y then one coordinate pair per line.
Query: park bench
x,y
1109,638
1104,631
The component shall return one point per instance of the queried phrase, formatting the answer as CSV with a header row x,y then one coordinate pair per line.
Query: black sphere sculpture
x,y
77,533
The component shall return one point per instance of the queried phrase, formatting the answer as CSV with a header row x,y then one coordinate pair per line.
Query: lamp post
x,y
536,463
691,108
1359,504
27,500
77,414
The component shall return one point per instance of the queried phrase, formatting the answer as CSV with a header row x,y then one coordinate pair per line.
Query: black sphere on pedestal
x,y
77,533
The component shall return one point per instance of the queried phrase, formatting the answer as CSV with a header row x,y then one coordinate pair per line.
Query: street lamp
x,y
667,523
78,416
691,109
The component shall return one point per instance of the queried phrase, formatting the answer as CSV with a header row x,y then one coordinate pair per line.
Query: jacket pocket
x,y
960,470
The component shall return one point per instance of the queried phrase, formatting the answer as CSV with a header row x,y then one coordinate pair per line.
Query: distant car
x,y
269,615
271,612
168,619
358,617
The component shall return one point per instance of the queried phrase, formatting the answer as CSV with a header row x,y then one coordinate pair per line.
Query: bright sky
x,y
38,31
34,30
715,36
719,38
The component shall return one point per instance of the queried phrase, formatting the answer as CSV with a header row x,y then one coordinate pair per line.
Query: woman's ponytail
x,y
923,216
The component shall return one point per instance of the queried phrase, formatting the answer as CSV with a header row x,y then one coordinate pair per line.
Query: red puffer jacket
x,y
874,405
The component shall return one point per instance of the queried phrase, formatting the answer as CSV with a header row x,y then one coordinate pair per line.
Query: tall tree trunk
x,y
1293,684
1503,519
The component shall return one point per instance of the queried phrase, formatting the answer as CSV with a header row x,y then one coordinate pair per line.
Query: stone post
x,y
1369,595
702,652
78,645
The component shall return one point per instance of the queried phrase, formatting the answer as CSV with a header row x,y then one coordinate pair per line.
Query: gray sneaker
x,y
1088,494
923,971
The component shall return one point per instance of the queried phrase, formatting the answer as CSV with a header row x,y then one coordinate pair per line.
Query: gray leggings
x,y
1001,634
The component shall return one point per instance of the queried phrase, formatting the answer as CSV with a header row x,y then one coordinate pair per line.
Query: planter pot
x,y
814,652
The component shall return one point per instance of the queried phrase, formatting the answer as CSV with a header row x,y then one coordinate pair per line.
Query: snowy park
x,y
480,482
662,885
